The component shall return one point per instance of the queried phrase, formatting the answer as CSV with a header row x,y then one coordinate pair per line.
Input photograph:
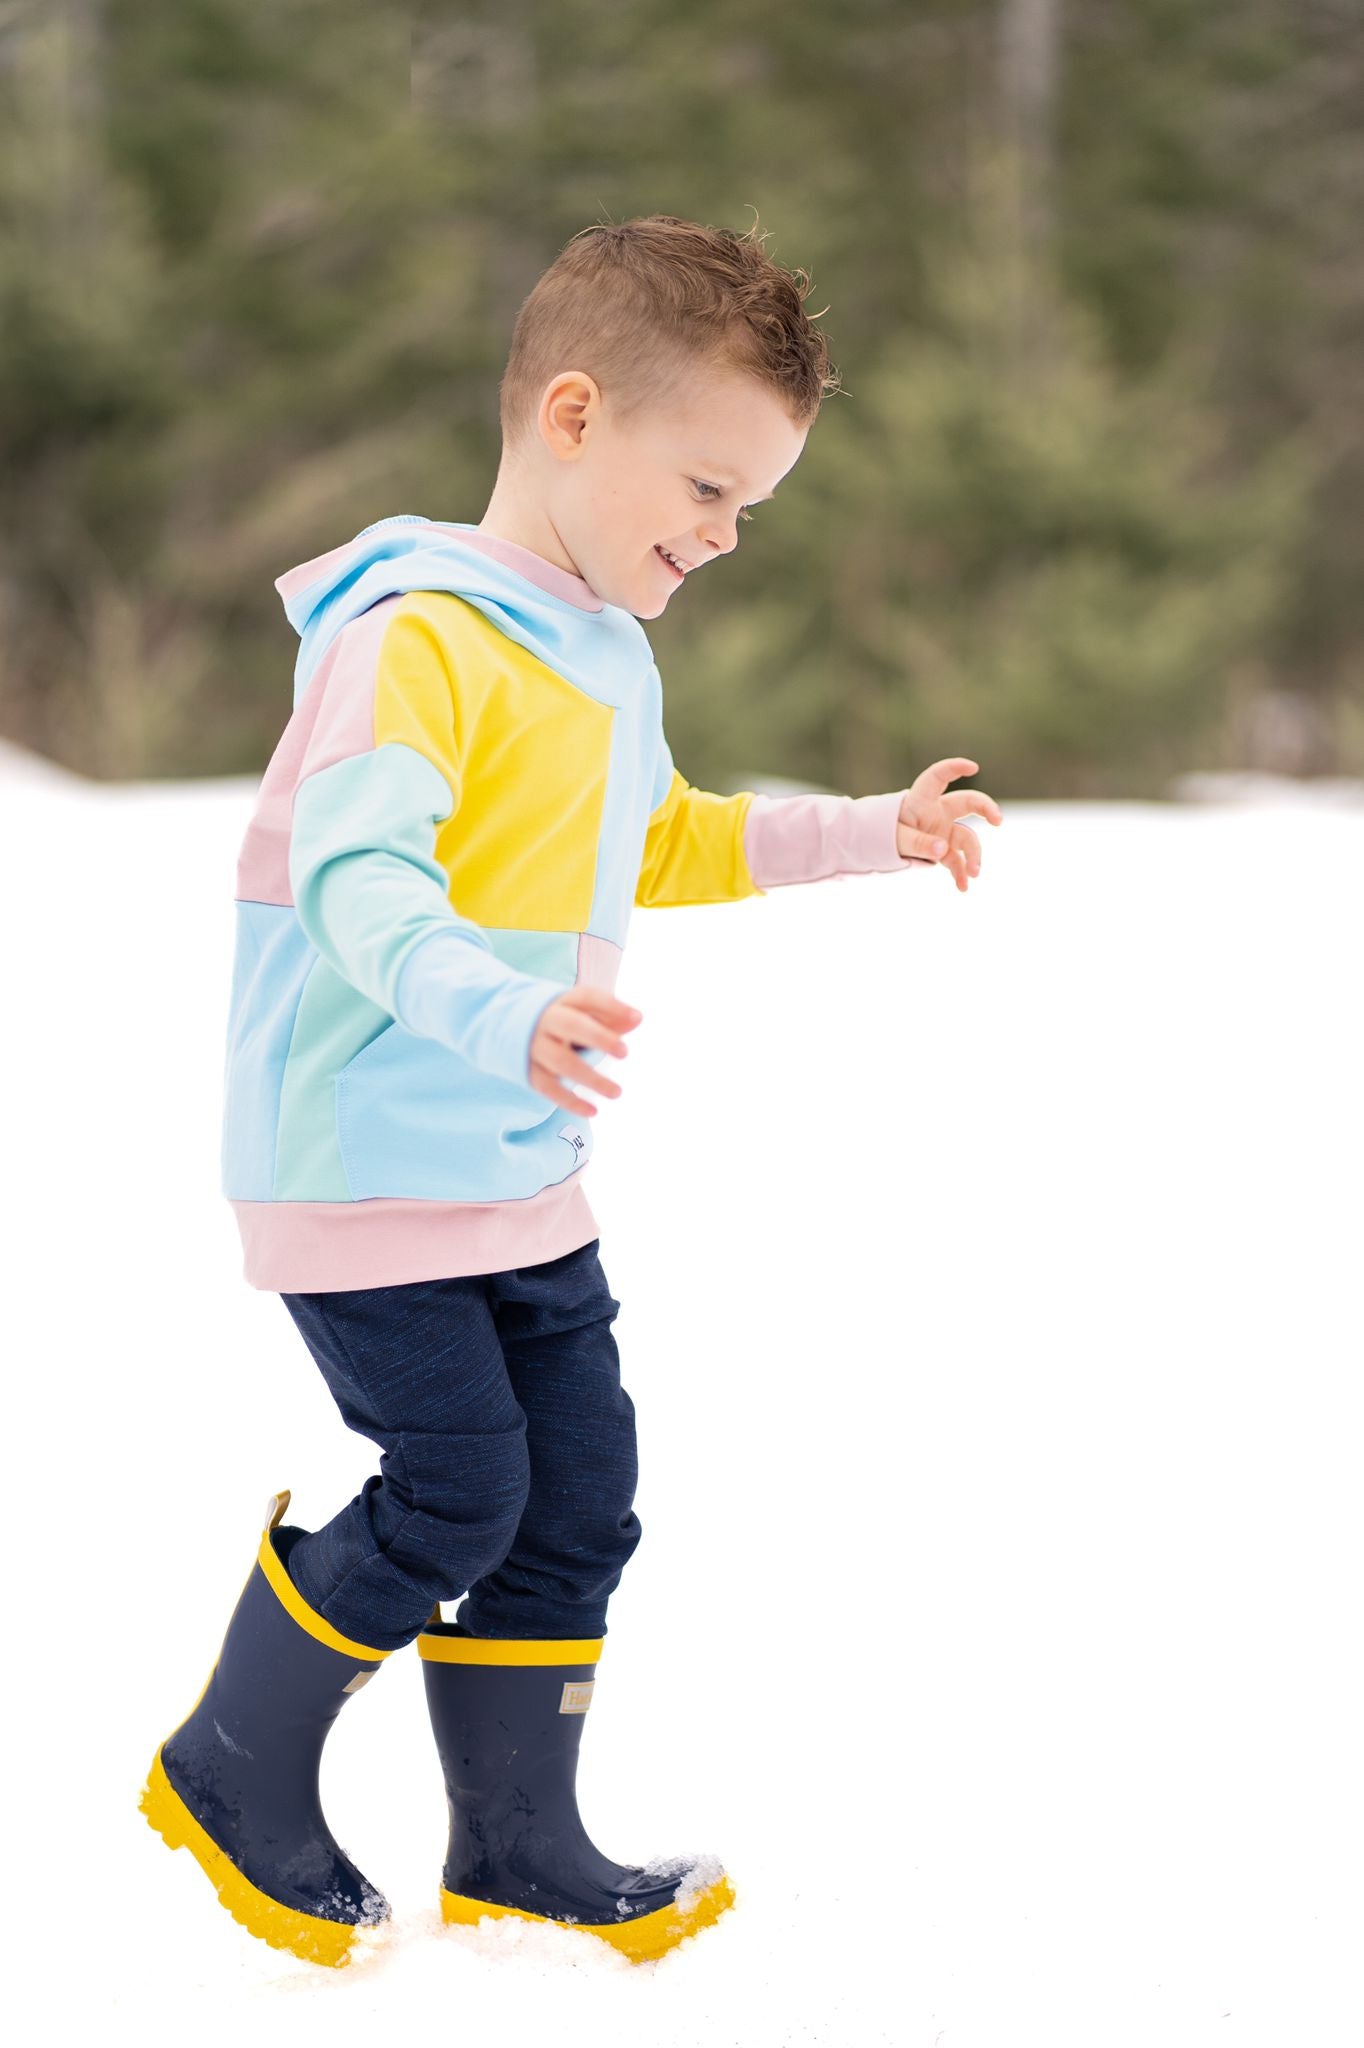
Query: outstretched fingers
x,y
964,858
933,782
972,803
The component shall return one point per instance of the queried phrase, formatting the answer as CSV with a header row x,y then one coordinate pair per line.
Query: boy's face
x,y
677,478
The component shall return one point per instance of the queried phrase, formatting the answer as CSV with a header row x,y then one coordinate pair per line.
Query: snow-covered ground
x,y
990,1271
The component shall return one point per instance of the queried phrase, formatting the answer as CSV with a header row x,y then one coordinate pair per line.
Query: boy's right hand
x,y
586,1016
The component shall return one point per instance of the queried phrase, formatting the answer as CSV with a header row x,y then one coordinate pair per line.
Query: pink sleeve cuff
x,y
813,838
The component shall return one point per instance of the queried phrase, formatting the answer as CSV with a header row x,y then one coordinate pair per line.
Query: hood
x,y
554,614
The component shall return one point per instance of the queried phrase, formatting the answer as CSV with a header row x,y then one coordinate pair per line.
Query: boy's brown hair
x,y
639,302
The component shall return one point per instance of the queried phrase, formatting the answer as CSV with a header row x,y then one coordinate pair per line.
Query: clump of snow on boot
x,y
697,1872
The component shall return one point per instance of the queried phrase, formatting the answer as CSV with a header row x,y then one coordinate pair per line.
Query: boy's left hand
x,y
927,816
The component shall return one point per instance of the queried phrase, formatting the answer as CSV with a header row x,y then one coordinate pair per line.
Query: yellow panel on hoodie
x,y
525,753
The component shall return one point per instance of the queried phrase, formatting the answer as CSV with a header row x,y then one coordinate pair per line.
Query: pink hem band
x,y
323,1247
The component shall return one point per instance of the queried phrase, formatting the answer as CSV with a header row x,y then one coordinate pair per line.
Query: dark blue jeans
x,y
509,1461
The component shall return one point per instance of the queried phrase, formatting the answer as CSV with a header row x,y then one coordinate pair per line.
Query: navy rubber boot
x,y
508,1718
237,1782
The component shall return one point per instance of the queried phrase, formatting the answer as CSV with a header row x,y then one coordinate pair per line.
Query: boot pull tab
x,y
274,1510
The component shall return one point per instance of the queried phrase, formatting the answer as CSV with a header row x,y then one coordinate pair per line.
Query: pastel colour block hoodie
x,y
472,793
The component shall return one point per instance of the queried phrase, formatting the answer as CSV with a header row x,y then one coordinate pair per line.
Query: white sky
x,y
990,1276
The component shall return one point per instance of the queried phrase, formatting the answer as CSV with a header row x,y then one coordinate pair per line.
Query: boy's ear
x,y
570,402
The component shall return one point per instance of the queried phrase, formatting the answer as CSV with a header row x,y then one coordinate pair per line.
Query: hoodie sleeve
x,y
380,773
702,848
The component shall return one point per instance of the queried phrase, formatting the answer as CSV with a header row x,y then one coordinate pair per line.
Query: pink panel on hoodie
x,y
345,724
813,838
598,961
329,724
329,566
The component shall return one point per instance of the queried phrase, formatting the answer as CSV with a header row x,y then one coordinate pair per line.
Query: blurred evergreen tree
x,y
1001,548
1089,495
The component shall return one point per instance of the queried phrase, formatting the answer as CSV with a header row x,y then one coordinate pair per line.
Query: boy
x,y
433,894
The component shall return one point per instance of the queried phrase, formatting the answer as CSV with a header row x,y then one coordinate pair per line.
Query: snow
x,y
990,1284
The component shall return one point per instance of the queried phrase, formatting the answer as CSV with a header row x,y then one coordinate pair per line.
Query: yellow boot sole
x,y
303,1934
642,1940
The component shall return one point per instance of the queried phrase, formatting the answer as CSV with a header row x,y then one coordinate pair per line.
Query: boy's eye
x,y
715,488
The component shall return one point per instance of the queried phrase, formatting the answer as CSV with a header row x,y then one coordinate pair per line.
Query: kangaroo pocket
x,y
414,1119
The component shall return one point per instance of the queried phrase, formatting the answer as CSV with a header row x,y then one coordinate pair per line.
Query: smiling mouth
x,y
671,566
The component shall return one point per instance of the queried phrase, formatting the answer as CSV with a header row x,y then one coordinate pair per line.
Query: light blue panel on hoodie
x,y
636,733
414,1119
271,962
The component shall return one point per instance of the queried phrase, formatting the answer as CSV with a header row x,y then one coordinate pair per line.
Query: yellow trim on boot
x,y
289,1597
506,1650
303,1934
641,1940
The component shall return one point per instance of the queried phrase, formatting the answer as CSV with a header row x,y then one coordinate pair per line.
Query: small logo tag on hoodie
x,y
577,1698
574,1137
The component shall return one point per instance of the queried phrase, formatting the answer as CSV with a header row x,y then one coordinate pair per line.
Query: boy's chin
x,y
653,603
650,607
644,596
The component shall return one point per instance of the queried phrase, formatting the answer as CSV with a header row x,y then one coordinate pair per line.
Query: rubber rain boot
x,y
237,1782
508,1718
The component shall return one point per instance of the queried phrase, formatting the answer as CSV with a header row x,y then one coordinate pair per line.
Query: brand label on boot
x,y
577,1698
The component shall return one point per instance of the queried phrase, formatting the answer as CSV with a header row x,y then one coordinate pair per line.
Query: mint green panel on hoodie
x,y
333,1024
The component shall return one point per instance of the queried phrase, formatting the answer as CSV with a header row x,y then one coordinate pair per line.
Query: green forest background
x,y
1087,510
